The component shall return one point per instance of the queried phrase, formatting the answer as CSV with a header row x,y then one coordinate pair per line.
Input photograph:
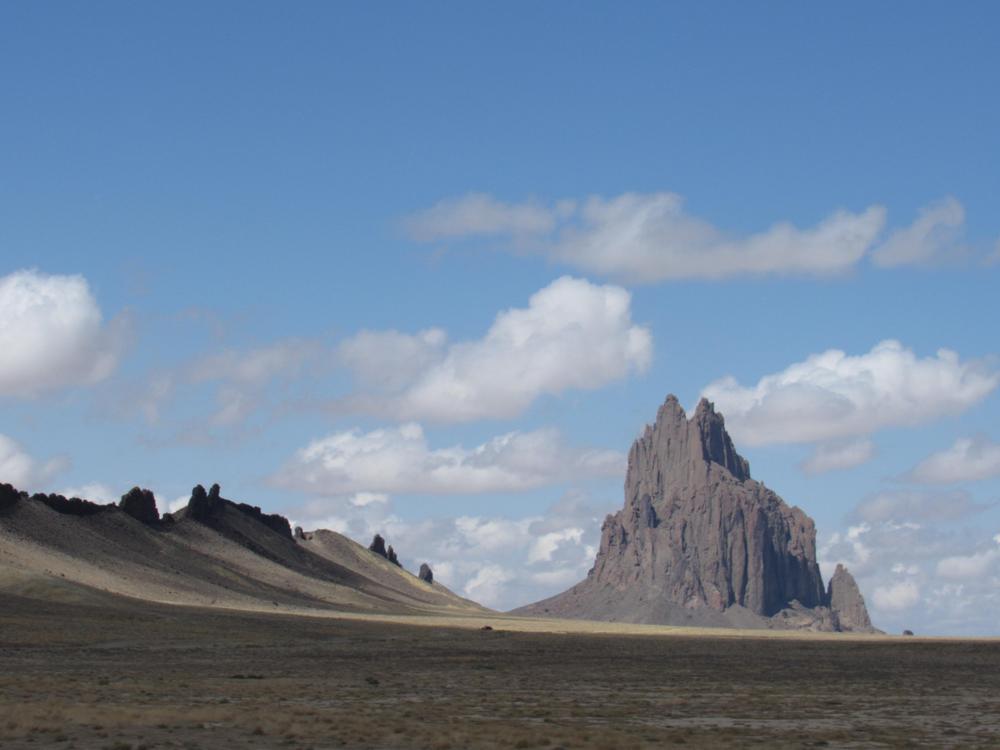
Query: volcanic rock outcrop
x,y
844,598
207,507
426,574
141,505
378,545
701,543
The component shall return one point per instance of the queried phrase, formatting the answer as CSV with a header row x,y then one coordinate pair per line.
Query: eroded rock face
x,y
699,542
846,602
390,555
699,531
426,574
141,505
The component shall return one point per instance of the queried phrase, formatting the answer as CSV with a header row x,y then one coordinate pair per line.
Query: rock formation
x,y
378,545
699,542
390,555
844,598
141,505
426,574
9,497
205,507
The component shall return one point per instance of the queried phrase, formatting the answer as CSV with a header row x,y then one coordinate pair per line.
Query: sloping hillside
x,y
213,553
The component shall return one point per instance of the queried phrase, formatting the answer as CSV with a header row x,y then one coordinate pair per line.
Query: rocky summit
x,y
699,542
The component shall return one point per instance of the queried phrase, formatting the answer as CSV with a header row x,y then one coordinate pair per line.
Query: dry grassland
x,y
118,674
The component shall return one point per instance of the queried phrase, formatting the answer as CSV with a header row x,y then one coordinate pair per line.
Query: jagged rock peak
x,y
141,505
202,505
845,599
426,574
682,444
390,555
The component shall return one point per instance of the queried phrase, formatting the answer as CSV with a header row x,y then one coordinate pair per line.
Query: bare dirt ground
x,y
119,674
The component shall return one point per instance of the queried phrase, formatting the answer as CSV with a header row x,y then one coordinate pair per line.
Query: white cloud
x,y
399,460
903,505
932,238
833,395
967,460
951,573
361,499
547,544
974,566
897,596
486,586
646,238
177,503
538,555
572,335
95,492
839,455
52,334
23,471
649,238
479,214
390,360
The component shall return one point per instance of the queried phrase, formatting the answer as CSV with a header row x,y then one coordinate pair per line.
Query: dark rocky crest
x,y
9,496
72,506
206,507
378,546
390,555
700,542
141,505
426,574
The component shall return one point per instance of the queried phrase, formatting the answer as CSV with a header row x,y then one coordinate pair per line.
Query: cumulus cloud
x,y
646,238
53,335
573,335
833,395
839,455
399,460
24,472
969,459
932,238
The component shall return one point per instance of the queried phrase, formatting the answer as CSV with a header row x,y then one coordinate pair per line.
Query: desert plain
x,y
83,669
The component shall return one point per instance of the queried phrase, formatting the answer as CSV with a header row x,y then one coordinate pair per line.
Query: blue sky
x,y
253,195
